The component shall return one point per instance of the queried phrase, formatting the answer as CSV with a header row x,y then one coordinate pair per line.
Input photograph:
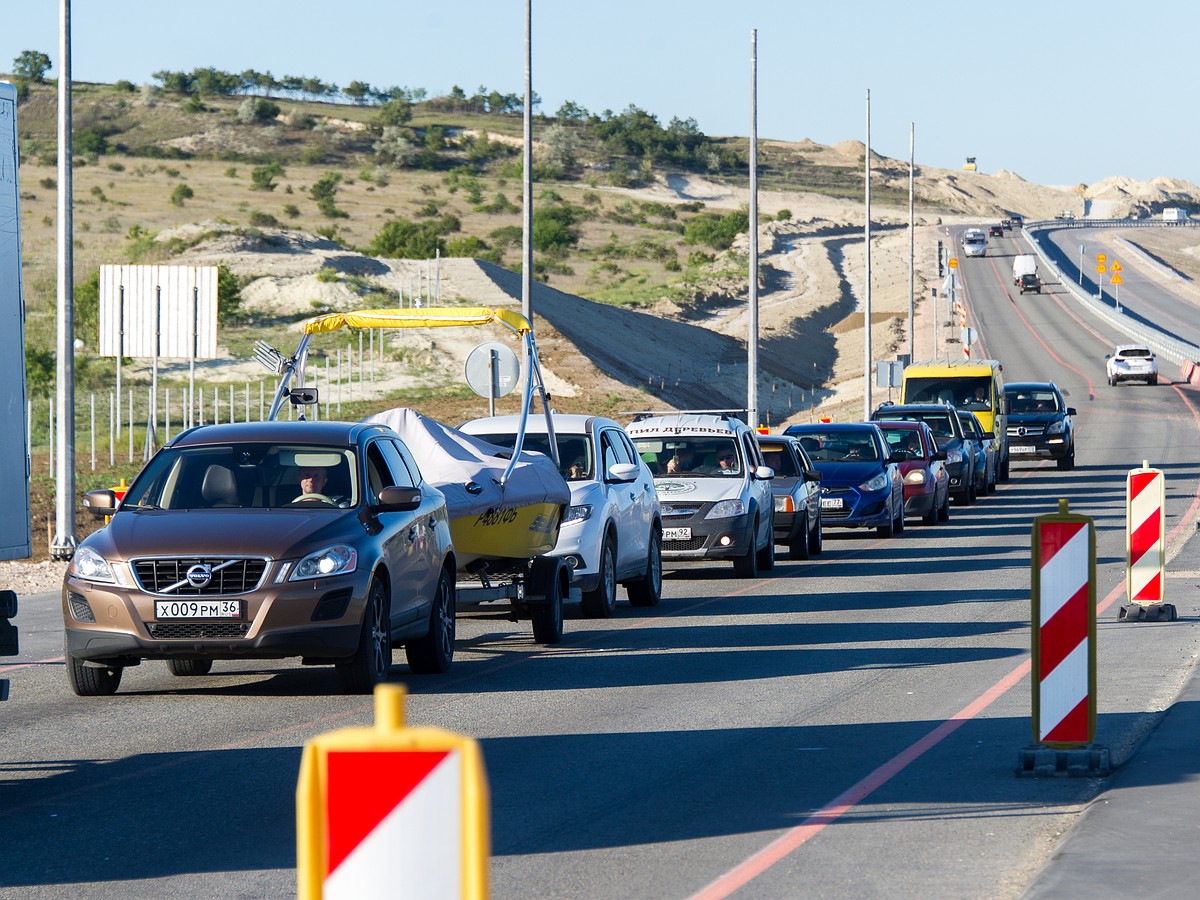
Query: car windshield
x,y
938,422
965,393
905,440
840,446
1034,401
694,456
576,456
778,458
249,475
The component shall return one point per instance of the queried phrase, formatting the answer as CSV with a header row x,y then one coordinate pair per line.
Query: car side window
x,y
608,454
621,446
379,476
753,454
401,476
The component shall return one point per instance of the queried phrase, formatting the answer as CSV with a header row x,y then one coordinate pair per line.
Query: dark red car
x,y
926,481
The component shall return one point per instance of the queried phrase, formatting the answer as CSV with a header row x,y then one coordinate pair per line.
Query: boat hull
x,y
521,532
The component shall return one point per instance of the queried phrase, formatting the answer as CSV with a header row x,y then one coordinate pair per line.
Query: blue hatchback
x,y
861,486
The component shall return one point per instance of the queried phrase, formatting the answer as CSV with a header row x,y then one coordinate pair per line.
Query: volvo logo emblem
x,y
199,575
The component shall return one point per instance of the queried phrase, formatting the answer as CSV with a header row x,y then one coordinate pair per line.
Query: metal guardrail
x,y
1161,343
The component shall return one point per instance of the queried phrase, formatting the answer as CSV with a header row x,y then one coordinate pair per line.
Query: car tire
x,y
433,654
1152,381
990,487
816,539
746,565
1004,471
547,617
601,603
1067,462
369,663
647,590
888,530
944,511
92,681
766,556
799,546
934,515
187,667
900,524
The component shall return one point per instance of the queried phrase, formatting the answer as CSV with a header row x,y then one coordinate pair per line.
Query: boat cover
x,y
453,462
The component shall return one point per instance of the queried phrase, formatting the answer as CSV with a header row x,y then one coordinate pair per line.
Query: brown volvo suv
x,y
262,541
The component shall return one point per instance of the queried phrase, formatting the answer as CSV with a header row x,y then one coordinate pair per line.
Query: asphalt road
x,y
846,727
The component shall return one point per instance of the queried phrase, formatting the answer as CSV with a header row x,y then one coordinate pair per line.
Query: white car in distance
x,y
1131,362
612,532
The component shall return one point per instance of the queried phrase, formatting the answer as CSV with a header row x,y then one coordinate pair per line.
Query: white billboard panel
x,y
14,461
163,311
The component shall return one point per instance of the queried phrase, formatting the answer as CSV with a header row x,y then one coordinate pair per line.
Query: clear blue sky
x,y
1058,93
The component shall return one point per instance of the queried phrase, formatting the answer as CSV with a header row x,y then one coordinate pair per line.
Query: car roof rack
x,y
725,414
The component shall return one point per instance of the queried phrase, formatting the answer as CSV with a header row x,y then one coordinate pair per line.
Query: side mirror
x,y
1071,411
898,457
1006,406
989,435
764,473
623,473
101,502
812,475
399,499
941,454
304,396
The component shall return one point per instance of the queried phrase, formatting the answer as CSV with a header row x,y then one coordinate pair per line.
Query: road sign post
x,y
391,811
1063,637
1145,547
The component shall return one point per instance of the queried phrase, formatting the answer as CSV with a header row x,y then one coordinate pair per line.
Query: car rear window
x,y
1129,352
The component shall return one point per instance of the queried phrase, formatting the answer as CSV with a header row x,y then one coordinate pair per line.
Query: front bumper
x,y
859,509
321,619
709,538
1042,446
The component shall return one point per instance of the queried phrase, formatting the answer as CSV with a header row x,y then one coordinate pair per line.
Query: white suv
x,y
612,531
715,488
1131,362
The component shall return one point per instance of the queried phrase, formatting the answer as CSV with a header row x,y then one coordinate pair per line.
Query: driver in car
x,y
312,485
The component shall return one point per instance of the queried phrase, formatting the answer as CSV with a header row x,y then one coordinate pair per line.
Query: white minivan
x,y
974,242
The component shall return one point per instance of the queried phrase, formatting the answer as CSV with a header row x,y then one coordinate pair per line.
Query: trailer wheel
x,y
544,596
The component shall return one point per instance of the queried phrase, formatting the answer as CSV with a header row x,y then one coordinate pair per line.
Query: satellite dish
x,y
493,370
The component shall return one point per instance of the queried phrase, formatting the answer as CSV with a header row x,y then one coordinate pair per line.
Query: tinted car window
x,y
938,422
574,450
250,475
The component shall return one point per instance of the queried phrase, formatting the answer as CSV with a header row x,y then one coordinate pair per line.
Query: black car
x,y
996,231
1039,423
943,421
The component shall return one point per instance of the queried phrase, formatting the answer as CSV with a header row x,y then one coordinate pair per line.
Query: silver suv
x,y
714,486
612,532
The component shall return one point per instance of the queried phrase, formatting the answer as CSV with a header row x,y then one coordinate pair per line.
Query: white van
x,y
713,485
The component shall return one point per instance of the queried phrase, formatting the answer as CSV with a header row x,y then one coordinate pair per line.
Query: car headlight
x,y
916,476
1056,427
337,560
784,503
878,483
726,508
580,513
954,456
89,565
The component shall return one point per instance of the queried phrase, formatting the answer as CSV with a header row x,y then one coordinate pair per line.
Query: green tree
x,y
31,65
324,191
229,295
553,229
357,91
182,192
87,310
395,113
716,231
262,178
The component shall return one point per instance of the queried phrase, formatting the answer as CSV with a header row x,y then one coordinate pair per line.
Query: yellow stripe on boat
x,y
513,533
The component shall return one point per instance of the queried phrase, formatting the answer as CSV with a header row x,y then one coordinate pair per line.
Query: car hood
x,y
847,473
243,532
705,490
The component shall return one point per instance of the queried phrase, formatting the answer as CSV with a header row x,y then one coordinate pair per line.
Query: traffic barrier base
x,y
1039,761
1147,612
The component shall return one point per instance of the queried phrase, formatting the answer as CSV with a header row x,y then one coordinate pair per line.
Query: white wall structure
x,y
158,311
14,460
